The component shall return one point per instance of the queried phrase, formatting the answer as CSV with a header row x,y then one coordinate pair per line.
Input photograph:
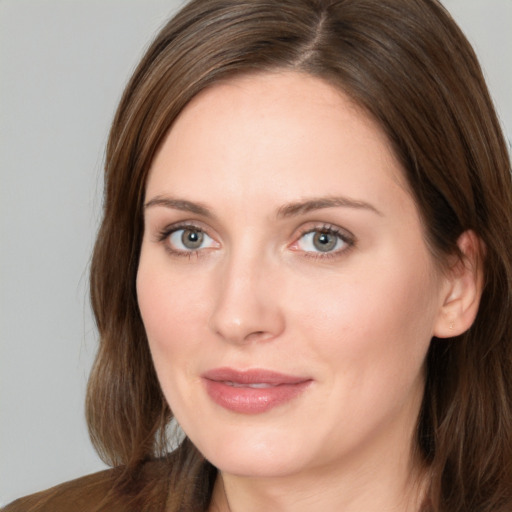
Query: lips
x,y
252,391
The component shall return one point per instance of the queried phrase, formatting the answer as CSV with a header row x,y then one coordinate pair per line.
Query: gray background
x,y
63,64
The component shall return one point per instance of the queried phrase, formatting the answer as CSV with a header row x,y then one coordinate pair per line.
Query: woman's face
x,y
284,283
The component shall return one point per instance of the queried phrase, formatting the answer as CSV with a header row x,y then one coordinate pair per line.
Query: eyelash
x,y
164,234
346,237
329,229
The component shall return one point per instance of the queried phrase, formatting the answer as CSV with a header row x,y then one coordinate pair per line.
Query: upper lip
x,y
252,376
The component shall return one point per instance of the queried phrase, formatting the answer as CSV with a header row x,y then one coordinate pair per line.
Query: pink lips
x,y
252,391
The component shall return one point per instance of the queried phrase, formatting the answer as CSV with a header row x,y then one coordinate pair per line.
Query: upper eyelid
x,y
325,226
176,226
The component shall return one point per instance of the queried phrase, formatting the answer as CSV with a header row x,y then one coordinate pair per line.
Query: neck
x,y
392,487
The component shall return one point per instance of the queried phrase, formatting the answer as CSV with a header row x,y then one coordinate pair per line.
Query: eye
x,y
323,240
188,239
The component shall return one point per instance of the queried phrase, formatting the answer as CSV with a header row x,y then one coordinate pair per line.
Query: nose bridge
x,y
247,303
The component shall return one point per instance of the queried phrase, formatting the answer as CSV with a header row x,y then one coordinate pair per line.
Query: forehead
x,y
271,133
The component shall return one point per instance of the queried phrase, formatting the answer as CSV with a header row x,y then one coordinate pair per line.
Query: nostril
x,y
256,335
239,315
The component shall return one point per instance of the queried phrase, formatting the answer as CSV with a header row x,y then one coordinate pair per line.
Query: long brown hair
x,y
410,67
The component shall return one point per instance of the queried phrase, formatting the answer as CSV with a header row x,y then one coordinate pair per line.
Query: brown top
x,y
101,492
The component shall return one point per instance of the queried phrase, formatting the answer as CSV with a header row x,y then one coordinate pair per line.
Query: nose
x,y
247,306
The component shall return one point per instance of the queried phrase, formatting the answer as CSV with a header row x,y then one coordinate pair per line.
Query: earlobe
x,y
464,284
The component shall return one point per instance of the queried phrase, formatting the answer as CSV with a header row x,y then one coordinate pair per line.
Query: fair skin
x,y
280,236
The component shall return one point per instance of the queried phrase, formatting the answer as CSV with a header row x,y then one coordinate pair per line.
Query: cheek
x,y
173,316
370,325
172,307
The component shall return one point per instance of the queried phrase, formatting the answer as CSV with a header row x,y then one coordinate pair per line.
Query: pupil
x,y
324,241
192,239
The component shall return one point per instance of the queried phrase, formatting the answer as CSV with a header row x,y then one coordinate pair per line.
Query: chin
x,y
257,465
264,452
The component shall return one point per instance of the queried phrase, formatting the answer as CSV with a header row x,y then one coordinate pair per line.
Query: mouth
x,y
252,391
257,385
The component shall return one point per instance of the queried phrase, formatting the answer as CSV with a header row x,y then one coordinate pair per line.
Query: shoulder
x,y
76,495
105,491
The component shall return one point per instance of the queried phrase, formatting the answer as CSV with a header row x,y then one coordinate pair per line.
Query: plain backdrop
x,y
63,65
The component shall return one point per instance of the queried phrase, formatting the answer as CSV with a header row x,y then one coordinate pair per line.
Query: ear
x,y
463,288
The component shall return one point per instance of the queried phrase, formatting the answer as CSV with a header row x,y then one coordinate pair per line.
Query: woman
x,y
305,259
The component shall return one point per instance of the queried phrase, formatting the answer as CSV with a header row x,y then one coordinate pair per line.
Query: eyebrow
x,y
179,204
287,210
303,207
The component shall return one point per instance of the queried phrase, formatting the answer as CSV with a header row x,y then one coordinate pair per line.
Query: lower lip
x,y
248,400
